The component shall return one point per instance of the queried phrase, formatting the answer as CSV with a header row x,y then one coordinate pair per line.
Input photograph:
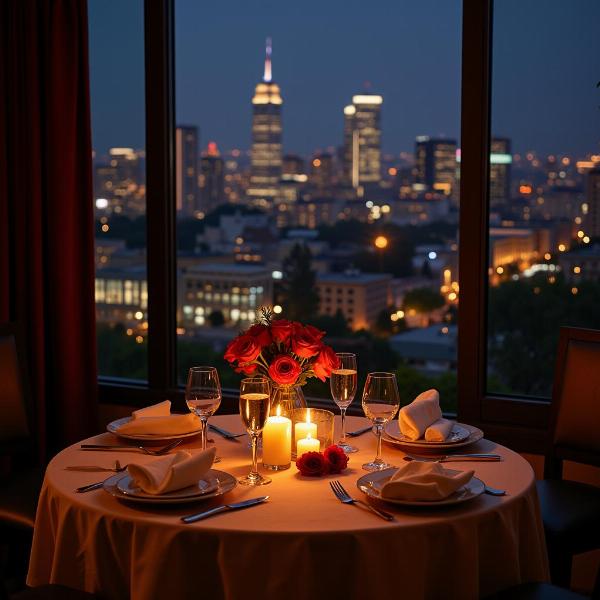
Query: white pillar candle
x,y
303,430
307,444
277,441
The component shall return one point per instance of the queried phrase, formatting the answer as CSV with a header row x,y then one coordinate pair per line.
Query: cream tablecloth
x,y
302,544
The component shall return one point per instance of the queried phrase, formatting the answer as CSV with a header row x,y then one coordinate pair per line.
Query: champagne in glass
x,y
255,402
381,402
343,387
203,395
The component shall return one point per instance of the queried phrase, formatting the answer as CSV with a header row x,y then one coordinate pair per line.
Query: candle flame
x,y
308,415
308,436
279,410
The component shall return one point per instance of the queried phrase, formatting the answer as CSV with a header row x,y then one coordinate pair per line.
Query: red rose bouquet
x,y
286,352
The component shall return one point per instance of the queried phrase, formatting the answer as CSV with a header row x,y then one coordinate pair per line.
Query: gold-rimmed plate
x,y
113,427
371,484
468,435
214,483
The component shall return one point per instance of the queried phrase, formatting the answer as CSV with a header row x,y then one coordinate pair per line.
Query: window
x,y
116,34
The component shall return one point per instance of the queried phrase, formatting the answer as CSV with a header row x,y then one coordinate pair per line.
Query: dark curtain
x,y
46,209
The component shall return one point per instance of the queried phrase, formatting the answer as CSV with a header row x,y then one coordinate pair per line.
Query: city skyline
x,y
421,89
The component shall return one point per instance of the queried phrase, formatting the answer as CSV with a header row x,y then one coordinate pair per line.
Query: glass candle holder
x,y
312,424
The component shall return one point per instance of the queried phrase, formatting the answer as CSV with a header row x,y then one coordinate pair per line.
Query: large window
x,y
544,190
316,149
117,100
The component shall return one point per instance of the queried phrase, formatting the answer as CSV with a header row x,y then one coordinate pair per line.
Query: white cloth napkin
x,y
158,420
417,416
439,431
172,472
424,481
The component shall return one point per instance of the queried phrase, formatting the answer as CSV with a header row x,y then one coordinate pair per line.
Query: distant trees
x,y
423,300
299,298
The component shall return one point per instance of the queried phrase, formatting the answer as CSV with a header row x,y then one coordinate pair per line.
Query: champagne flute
x,y
380,401
255,402
203,395
343,387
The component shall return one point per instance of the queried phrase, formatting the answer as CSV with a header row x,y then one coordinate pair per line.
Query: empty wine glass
x,y
343,387
255,402
203,395
380,401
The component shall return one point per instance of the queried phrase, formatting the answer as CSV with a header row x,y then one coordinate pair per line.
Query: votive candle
x,y
307,444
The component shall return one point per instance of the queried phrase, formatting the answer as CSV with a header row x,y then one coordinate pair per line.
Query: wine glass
x,y
203,395
380,401
343,387
255,402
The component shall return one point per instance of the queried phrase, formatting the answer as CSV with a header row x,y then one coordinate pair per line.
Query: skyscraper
x,y
435,165
322,172
362,140
500,163
265,168
186,169
592,221
212,192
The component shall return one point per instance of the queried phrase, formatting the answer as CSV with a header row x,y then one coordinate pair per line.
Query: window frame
x,y
520,422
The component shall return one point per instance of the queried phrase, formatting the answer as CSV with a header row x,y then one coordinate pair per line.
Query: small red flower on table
x,y
312,464
336,458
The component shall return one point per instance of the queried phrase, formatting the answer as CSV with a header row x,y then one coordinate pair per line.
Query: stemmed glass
x,y
343,388
255,402
203,395
380,401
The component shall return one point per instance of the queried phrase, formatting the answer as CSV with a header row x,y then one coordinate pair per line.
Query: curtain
x,y
46,209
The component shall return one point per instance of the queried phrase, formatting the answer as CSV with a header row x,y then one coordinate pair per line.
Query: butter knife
x,y
455,458
359,431
225,507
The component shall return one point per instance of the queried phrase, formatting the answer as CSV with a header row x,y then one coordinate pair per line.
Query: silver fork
x,y
99,484
343,496
160,452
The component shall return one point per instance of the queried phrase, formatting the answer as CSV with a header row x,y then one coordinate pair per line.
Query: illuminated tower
x,y
212,178
265,170
435,164
362,140
500,163
186,169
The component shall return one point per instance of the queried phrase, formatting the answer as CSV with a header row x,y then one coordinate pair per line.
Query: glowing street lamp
x,y
381,242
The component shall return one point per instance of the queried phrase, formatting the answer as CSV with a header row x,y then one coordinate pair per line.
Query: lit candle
x,y
303,430
277,441
308,444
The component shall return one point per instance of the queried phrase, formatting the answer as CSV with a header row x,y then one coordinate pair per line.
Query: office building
x,y
293,165
362,140
500,166
322,173
435,165
186,169
266,155
212,179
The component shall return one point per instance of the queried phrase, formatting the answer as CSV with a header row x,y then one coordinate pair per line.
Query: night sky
x,y
546,65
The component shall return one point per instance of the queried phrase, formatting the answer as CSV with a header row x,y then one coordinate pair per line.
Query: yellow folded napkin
x,y
424,481
439,431
172,472
158,420
417,416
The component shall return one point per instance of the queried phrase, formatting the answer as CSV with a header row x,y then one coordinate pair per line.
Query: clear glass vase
x,y
285,399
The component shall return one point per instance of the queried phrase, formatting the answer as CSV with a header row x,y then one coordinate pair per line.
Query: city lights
x,y
381,242
432,255
277,309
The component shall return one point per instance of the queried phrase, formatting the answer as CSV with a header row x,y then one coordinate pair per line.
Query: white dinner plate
x,y
202,487
113,427
392,436
371,484
457,434
217,484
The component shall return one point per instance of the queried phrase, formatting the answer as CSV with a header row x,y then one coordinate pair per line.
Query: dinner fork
x,y
159,452
342,495
99,484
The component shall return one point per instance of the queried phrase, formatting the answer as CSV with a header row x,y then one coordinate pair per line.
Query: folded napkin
x,y
172,472
158,420
417,416
424,481
439,431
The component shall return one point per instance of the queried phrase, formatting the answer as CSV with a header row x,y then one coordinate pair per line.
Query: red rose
x,y
281,329
284,370
326,362
242,349
304,343
337,459
246,369
261,334
312,464
316,333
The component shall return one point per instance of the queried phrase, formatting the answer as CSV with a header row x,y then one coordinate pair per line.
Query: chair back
x,y
575,410
14,405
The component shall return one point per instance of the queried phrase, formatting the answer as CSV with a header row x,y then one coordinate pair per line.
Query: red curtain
x,y
46,209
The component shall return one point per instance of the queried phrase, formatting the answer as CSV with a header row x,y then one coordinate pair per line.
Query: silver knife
x,y
226,434
455,458
359,431
219,509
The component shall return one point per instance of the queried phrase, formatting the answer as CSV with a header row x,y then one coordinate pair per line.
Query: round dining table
x,y
303,543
